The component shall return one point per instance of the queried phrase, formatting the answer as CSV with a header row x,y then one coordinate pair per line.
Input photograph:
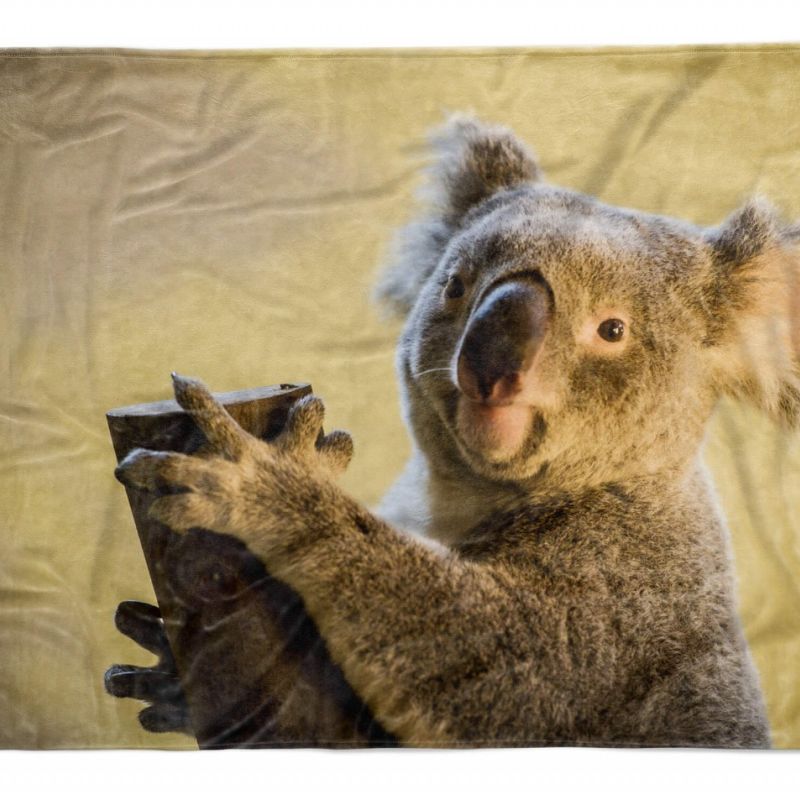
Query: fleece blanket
x,y
225,215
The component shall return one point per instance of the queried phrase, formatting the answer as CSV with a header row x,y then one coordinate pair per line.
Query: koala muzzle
x,y
503,336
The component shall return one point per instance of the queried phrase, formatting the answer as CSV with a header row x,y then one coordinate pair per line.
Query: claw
x,y
304,424
224,434
181,512
165,718
141,469
336,449
114,682
126,472
142,622
141,683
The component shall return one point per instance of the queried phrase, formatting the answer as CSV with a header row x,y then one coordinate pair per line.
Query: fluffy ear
x,y
474,161
753,310
471,162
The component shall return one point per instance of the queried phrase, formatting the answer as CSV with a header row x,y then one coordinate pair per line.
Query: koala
x,y
552,566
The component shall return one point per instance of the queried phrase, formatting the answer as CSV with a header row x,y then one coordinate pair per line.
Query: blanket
x,y
225,215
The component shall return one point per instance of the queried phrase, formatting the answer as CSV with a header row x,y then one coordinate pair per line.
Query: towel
x,y
225,215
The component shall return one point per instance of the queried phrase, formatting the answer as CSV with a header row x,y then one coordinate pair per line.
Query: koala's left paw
x,y
238,478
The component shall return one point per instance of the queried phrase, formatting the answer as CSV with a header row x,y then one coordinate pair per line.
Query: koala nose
x,y
502,339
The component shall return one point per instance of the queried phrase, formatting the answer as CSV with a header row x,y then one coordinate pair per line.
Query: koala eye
x,y
612,330
454,288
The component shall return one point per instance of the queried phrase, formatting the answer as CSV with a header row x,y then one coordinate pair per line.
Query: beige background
x,y
223,215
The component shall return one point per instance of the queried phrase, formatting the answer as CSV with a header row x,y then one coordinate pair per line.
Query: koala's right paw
x,y
159,685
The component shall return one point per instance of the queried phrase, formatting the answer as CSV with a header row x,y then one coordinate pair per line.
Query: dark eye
x,y
454,288
612,330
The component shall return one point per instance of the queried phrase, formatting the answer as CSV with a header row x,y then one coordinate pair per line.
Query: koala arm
x,y
404,622
415,631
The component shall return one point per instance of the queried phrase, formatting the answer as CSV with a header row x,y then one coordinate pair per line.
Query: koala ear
x,y
745,234
474,161
752,301
471,162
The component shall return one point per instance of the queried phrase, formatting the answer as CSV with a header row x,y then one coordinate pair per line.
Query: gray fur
x,y
580,589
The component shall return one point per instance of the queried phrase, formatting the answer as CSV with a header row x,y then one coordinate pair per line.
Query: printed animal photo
x,y
484,421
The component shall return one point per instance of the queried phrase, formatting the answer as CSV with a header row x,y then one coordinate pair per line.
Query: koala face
x,y
553,332
551,337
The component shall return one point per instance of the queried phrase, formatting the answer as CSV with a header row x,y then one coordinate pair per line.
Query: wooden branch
x,y
252,664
